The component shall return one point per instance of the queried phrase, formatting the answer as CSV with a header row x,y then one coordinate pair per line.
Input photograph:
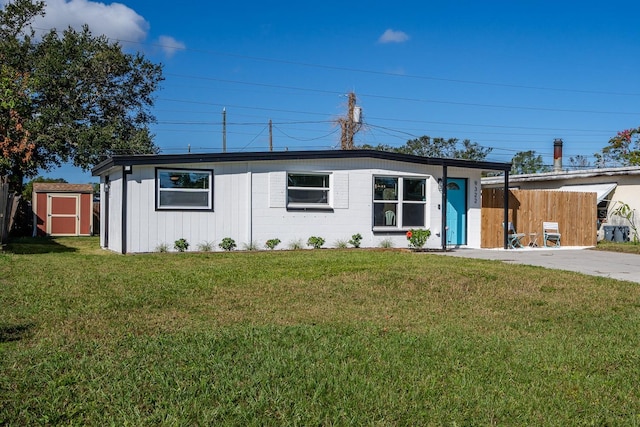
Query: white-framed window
x,y
399,202
184,189
308,190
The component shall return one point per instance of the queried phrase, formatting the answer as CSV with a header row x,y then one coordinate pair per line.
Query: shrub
x,y
355,241
315,242
227,244
162,247
295,245
272,243
251,246
205,247
417,237
341,244
386,244
181,245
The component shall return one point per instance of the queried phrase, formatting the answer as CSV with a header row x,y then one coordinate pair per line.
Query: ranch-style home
x,y
150,201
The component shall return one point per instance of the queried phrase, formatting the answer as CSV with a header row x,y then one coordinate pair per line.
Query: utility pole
x,y
270,135
351,124
224,130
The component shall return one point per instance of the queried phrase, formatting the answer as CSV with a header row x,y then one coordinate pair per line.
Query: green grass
x,y
627,247
332,337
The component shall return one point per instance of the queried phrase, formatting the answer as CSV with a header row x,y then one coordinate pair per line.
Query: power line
x,y
433,101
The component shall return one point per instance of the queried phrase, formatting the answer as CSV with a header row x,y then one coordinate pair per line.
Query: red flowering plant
x,y
417,237
623,149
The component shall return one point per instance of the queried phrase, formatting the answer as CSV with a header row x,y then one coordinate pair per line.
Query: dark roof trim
x,y
166,159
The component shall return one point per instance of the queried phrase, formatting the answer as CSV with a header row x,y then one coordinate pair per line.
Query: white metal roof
x,y
602,190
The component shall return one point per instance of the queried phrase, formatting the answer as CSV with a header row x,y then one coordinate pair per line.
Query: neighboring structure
x,y
61,209
153,200
613,186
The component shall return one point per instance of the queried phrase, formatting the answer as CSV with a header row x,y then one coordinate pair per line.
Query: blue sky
x,y
510,75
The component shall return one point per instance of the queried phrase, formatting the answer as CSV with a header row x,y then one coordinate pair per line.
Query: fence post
x,y
4,214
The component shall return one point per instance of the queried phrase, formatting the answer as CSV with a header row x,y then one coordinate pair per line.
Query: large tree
x,y
69,96
438,147
623,149
525,162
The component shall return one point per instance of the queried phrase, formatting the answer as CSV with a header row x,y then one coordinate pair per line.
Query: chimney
x,y
557,155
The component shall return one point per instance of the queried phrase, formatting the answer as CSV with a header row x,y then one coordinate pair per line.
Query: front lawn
x,y
310,337
626,247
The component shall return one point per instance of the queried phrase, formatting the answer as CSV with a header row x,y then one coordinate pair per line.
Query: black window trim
x,y
398,201
209,208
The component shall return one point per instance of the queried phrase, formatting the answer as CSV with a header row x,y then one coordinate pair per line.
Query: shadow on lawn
x,y
15,332
37,245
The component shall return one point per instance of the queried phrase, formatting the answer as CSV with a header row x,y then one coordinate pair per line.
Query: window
x,y
308,190
184,189
399,202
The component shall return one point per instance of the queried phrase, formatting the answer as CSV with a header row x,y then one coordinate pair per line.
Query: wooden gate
x,y
575,213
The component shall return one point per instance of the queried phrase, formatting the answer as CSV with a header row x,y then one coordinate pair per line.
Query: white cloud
x,y
169,45
392,36
115,20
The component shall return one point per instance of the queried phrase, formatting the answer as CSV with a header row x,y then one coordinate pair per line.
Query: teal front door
x,y
456,211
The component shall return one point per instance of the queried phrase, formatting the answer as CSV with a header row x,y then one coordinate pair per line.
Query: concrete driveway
x,y
583,260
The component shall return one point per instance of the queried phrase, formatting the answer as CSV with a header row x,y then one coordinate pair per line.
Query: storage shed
x,y
61,209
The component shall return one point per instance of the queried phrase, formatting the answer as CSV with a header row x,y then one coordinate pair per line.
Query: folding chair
x,y
389,218
550,233
513,238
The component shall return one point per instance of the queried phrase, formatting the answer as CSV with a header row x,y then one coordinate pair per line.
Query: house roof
x,y
563,175
59,187
166,159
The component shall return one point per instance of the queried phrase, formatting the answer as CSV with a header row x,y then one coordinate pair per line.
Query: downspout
x,y
443,231
126,170
104,220
250,207
505,222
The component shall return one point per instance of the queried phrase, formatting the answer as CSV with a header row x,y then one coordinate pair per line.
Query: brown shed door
x,y
63,216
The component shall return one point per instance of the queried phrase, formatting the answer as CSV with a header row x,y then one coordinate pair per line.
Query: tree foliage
x,y
438,147
525,162
69,96
623,149
579,162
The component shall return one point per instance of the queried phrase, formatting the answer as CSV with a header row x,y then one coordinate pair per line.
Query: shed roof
x,y
601,190
60,187
165,159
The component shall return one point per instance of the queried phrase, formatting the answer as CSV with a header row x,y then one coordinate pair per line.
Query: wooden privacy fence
x,y
575,213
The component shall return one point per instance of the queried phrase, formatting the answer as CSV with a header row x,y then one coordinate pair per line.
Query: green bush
x,y
181,245
227,244
272,243
417,237
355,241
315,242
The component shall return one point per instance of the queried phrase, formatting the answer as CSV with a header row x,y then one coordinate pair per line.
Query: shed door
x,y
63,214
